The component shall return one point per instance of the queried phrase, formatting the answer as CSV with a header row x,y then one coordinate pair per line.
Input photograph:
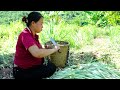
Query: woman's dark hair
x,y
33,16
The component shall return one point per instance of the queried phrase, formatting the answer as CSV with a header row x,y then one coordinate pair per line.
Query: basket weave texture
x,y
59,58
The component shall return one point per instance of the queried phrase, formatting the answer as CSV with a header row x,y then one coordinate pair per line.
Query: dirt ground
x,y
6,73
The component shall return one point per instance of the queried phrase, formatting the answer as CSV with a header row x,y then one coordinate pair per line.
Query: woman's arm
x,y
40,53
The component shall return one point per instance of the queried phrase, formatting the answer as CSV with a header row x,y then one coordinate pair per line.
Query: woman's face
x,y
38,25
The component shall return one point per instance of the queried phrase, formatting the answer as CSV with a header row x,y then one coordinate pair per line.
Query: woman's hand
x,y
48,46
57,47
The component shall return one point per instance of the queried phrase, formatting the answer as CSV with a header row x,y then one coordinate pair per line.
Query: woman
x,y
29,55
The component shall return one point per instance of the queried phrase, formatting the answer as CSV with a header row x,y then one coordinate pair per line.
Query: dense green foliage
x,y
99,18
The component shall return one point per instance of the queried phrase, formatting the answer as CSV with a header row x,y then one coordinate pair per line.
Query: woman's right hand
x,y
57,47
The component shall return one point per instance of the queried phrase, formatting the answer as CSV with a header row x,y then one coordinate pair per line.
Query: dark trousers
x,y
37,72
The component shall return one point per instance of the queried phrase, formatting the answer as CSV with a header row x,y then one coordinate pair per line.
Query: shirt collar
x,y
29,30
36,36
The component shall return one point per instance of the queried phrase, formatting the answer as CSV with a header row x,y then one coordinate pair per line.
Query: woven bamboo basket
x,y
59,58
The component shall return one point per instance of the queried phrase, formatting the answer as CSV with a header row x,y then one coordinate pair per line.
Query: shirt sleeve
x,y
27,40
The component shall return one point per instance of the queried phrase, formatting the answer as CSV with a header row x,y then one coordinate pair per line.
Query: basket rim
x,y
57,41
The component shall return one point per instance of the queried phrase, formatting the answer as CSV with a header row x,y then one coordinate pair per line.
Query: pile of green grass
x,y
95,70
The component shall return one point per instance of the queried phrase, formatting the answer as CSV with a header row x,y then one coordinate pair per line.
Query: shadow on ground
x,y
87,57
81,58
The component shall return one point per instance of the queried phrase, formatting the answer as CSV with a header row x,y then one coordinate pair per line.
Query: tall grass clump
x,y
62,32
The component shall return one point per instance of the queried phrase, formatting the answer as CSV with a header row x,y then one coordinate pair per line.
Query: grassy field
x,y
89,45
